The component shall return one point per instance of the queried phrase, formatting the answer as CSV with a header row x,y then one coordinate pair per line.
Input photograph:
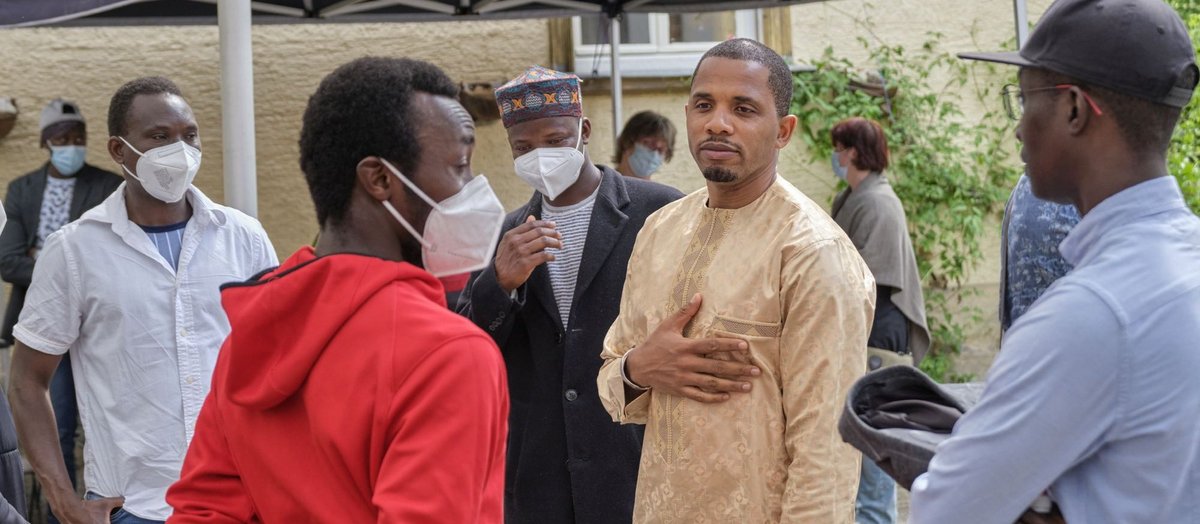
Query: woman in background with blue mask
x,y
646,143
872,216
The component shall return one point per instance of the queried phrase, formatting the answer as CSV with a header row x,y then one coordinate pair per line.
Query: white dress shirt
x,y
143,337
1095,394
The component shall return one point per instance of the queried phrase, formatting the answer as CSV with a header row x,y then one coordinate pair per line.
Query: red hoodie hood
x,y
283,320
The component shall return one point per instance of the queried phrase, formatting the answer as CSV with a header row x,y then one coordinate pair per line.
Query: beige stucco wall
x,y
682,172
88,64
985,25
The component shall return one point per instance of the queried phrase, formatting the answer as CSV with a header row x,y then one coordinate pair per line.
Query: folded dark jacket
x,y
919,414
898,415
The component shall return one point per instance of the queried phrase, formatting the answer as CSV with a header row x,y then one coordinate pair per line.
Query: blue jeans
x,y
876,503
123,517
66,415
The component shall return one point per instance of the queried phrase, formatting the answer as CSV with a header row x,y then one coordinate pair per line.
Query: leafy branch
x,y
949,170
1183,158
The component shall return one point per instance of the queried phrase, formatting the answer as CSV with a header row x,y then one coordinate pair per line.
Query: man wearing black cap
x,y
1093,397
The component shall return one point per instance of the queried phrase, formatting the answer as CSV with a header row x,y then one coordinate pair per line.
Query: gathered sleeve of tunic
x,y
828,299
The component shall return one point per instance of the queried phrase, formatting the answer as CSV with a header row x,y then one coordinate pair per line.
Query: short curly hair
x,y
118,107
363,108
779,78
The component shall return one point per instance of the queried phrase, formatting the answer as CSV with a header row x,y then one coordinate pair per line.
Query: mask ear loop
x,y
392,209
579,136
121,138
139,153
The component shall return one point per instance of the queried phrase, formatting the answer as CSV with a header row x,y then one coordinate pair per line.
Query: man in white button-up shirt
x,y
131,289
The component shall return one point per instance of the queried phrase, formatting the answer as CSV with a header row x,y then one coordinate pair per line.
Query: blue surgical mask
x,y
838,169
645,161
68,160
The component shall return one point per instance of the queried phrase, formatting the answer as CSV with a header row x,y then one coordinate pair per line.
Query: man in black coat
x,y
38,204
548,301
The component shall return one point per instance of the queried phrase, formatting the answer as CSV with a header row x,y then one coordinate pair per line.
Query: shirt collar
x,y
1151,197
113,210
563,209
872,179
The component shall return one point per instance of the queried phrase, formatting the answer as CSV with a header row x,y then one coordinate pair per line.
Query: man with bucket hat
x,y
1093,397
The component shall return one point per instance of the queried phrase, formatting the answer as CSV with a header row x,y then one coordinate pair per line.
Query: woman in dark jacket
x,y
873,217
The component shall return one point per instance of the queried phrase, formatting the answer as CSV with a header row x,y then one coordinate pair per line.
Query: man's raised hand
x,y
522,249
668,361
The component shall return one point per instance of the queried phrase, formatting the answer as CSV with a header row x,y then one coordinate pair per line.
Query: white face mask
x,y
551,170
461,232
166,171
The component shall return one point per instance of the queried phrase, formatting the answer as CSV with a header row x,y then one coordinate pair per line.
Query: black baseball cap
x,y
1139,48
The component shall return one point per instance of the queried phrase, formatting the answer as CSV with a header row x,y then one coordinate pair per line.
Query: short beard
x,y
719,175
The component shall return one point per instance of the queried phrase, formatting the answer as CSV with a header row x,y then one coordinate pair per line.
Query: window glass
x,y
635,29
702,27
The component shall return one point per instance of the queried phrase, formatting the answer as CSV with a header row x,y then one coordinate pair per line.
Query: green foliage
x,y
1183,158
1186,9
949,169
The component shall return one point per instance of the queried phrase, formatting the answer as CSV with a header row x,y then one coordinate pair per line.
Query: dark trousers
x,y
66,415
120,516
12,313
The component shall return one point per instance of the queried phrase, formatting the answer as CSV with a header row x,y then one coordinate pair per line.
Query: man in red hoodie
x,y
347,391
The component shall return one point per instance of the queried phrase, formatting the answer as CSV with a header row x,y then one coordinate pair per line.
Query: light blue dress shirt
x,y
1096,391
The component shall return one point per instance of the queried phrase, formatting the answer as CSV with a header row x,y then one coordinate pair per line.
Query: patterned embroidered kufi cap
x,y
539,93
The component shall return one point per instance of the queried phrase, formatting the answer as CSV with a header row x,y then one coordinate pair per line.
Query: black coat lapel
x,y
608,220
539,282
33,211
84,185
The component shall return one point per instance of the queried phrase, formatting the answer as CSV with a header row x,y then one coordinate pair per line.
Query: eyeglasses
x,y
1014,99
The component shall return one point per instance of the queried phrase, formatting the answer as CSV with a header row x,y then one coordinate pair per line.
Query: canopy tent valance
x,y
235,17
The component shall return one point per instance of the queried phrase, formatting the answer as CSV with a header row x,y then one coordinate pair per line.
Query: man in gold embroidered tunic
x,y
743,322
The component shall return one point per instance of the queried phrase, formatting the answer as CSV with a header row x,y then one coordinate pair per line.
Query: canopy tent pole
x,y
1021,14
237,105
615,63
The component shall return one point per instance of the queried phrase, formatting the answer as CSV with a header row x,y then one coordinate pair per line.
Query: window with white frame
x,y
654,44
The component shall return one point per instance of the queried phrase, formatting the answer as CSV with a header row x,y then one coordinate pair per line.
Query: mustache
x,y
715,140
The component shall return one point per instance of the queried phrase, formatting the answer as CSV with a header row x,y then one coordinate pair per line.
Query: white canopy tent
x,y
234,18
